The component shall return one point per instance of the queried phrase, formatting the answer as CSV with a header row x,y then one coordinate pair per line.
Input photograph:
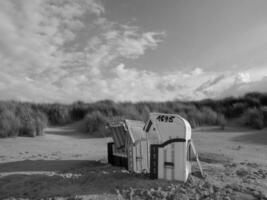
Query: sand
x,y
240,144
58,143
65,162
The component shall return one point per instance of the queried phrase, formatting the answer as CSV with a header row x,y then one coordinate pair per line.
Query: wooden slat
x,y
160,163
118,135
172,160
165,154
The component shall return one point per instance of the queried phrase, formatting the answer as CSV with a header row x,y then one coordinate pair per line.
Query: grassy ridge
x,y
18,118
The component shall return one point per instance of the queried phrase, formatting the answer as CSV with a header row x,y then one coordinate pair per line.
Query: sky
x,y
131,50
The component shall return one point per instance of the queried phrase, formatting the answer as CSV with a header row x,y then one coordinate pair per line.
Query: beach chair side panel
x,y
169,161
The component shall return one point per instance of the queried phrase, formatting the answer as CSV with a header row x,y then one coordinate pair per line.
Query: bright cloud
x,y
243,77
197,71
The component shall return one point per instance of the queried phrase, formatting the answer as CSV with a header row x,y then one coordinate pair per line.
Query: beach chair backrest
x,y
118,134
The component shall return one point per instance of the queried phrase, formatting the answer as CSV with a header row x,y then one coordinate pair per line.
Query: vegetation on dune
x,y
9,124
30,119
20,119
254,118
95,124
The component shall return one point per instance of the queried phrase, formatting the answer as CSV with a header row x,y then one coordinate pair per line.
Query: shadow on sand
x,y
47,165
96,178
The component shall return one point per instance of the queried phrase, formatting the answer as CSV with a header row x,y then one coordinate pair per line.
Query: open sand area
x,y
67,163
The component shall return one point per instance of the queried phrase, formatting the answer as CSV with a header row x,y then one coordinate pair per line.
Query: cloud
x,y
140,85
67,50
204,87
250,80
119,41
34,32
46,54
243,77
197,71
240,88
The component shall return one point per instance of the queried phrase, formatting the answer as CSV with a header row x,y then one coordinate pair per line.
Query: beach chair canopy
x,y
162,127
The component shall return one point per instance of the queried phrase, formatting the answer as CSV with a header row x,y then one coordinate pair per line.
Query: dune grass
x,y
17,119
30,119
